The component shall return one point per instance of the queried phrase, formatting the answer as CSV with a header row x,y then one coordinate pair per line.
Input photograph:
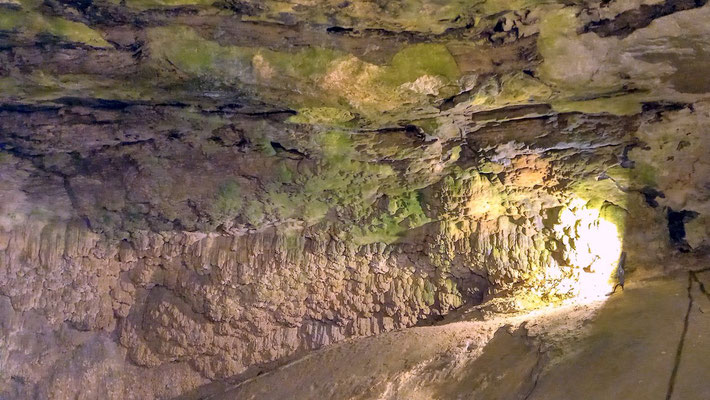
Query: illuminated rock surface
x,y
626,348
193,192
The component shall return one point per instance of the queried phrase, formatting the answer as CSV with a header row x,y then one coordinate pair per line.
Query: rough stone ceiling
x,y
89,81
192,190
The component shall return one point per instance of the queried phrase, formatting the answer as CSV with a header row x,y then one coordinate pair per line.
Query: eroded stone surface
x,y
623,346
201,189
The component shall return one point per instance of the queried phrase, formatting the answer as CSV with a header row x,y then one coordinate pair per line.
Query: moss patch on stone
x,y
328,87
522,88
418,60
428,16
194,55
322,116
148,4
338,180
229,200
617,105
597,191
614,214
32,23
557,29
642,174
583,68
515,88
403,212
492,7
308,63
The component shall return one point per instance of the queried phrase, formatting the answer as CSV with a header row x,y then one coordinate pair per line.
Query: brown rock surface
x,y
193,192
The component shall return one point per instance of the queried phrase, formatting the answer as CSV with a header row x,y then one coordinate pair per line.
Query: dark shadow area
x,y
676,227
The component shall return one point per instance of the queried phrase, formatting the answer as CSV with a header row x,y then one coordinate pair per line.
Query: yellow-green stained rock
x,y
198,56
642,174
511,89
308,63
321,116
614,214
491,7
328,86
421,59
229,200
557,30
616,105
148,4
184,49
237,182
404,212
597,191
32,23
489,167
521,88
426,16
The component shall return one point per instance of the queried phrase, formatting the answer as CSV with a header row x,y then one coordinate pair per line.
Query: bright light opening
x,y
592,246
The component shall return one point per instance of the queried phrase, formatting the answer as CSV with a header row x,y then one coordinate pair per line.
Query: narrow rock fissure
x,y
681,343
700,284
536,372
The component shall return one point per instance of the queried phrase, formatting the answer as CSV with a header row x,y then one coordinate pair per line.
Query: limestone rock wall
x,y
191,190
209,305
224,303
524,220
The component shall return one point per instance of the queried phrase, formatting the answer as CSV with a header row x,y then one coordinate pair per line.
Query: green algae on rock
x,y
194,191
32,23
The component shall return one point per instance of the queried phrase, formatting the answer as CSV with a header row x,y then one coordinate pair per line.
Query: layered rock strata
x,y
193,191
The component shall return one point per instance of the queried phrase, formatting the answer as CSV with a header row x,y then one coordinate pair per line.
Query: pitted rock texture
x,y
196,190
